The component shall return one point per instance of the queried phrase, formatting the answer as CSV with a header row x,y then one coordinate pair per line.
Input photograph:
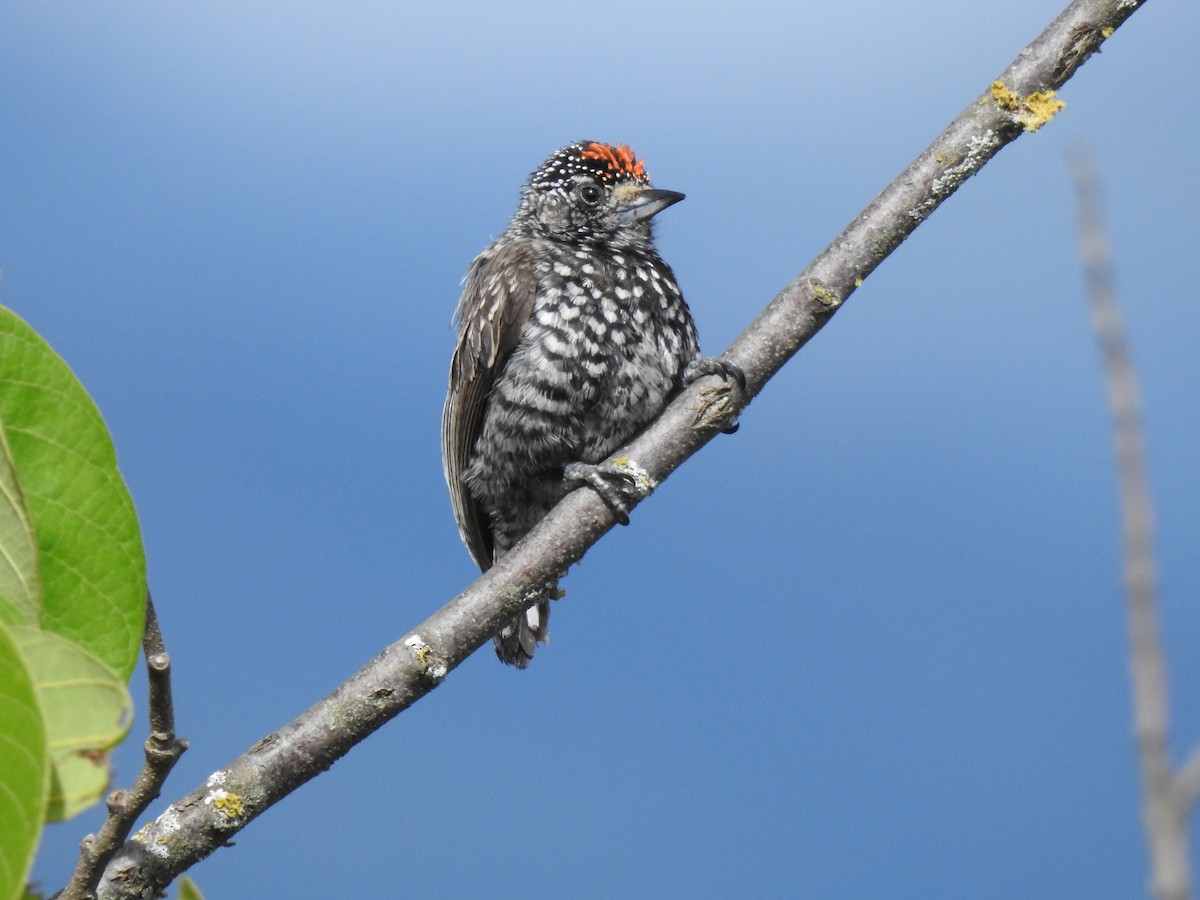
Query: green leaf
x,y
87,711
188,889
20,586
23,768
92,566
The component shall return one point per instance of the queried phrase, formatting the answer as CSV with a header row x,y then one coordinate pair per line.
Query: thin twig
x,y
161,705
1020,100
1166,805
162,749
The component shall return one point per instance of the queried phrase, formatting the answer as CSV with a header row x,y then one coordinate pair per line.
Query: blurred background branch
x,y
1169,794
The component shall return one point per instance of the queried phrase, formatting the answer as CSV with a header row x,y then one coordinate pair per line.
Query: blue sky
x,y
872,645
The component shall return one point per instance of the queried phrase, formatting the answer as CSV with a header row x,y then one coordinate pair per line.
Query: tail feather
x,y
519,637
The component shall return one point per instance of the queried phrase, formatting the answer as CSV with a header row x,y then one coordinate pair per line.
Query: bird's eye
x,y
590,194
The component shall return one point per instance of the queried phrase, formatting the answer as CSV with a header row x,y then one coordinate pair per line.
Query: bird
x,y
572,335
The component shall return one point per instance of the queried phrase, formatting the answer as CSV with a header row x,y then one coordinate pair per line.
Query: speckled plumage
x,y
572,336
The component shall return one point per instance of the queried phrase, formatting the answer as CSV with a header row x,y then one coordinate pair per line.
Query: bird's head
x,y
589,192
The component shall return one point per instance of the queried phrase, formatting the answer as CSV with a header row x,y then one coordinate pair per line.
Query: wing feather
x,y
496,302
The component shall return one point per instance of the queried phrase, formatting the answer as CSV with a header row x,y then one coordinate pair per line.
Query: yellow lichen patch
x,y
230,805
1004,98
822,294
947,156
1040,108
1107,32
1032,111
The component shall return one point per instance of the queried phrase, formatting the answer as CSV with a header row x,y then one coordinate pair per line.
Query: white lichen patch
x,y
432,666
154,836
639,479
979,149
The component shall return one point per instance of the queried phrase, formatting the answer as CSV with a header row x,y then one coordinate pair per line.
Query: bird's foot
x,y
714,365
618,483
718,403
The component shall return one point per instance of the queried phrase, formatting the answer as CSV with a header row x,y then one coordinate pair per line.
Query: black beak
x,y
647,203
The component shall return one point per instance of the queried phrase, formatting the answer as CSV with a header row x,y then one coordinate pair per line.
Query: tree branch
x,y
1020,100
1187,779
163,750
1167,804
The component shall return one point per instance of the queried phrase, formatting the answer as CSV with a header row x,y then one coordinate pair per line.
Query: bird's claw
x,y
614,482
714,365
717,407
